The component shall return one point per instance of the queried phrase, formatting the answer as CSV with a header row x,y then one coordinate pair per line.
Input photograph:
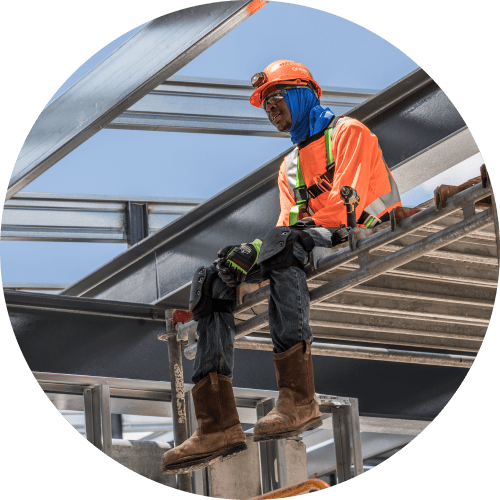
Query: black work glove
x,y
304,224
226,274
235,261
341,235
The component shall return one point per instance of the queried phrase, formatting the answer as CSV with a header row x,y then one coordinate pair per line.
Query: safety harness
x,y
324,183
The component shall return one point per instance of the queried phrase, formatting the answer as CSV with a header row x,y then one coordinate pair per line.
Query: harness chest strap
x,y
323,183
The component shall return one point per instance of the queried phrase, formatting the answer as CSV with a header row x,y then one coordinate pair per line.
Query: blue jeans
x,y
288,315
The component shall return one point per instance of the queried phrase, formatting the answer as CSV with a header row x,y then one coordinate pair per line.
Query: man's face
x,y
279,114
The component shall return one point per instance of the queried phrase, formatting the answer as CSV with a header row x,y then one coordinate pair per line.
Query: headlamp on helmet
x,y
258,79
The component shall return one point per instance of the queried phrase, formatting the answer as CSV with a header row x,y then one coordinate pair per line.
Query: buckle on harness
x,y
372,221
322,182
301,194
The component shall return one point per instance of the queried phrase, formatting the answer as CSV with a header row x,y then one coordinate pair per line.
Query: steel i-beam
x,y
119,81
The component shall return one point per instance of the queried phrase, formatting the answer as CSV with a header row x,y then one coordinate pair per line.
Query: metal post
x,y
98,416
137,216
487,183
341,436
116,426
178,399
89,415
281,465
199,478
355,432
273,465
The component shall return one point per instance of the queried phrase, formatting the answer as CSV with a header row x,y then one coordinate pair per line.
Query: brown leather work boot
x,y
219,435
296,410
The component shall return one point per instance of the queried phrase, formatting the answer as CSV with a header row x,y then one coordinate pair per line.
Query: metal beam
x,y
150,397
122,79
19,301
87,218
371,353
438,158
95,346
410,116
213,106
35,287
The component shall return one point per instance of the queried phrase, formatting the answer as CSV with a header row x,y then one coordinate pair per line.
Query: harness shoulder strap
x,y
301,192
328,142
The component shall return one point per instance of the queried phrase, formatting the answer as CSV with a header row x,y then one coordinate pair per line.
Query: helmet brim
x,y
258,96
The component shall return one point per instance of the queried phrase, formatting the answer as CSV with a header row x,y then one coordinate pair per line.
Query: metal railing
x,y
99,397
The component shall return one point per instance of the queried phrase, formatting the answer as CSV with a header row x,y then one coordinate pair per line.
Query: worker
x,y
331,152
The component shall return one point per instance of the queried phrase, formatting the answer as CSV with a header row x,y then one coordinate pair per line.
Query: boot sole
x,y
309,426
201,463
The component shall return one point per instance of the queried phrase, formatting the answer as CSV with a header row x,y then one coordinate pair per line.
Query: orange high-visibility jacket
x,y
358,163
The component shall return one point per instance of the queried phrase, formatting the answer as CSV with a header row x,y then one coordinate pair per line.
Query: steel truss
x,y
108,331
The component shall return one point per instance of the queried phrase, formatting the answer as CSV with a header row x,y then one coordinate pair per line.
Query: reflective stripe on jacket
x,y
358,163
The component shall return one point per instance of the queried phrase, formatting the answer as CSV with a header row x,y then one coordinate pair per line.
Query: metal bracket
x,y
363,259
469,210
96,402
319,253
394,222
359,233
346,436
352,241
485,178
169,330
137,216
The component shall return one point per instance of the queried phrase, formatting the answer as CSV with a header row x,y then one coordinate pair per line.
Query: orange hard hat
x,y
281,73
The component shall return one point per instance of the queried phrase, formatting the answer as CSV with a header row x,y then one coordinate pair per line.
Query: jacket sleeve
x,y
353,148
286,198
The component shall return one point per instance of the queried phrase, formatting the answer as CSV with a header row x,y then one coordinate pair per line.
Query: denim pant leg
x,y
214,350
289,308
289,304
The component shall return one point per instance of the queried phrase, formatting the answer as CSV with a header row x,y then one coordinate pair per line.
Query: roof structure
x,y
398,316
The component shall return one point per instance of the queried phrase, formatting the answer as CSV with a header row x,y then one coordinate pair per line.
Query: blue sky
x,y
339,53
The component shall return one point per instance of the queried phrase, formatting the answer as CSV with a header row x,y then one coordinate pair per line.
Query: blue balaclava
x,y
308,117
